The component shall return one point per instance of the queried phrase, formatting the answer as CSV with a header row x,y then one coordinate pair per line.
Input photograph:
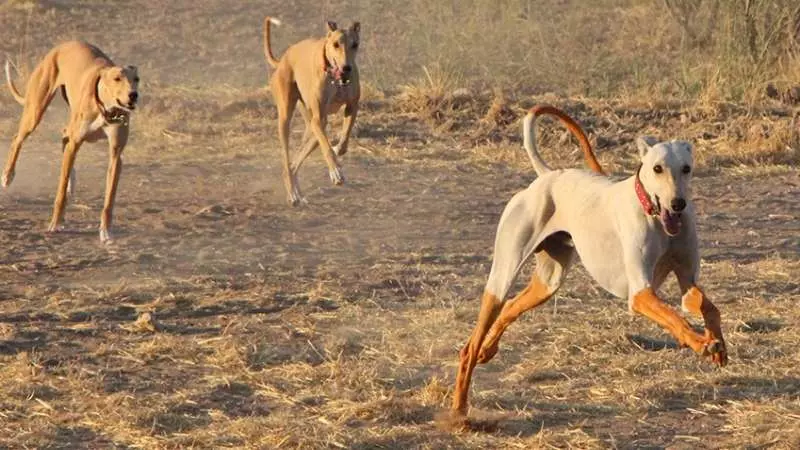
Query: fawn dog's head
x,y
341,48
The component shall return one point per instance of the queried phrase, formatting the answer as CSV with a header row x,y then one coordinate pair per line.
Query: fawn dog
x,y
322,74
101,96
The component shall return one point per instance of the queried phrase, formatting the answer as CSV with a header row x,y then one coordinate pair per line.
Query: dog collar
x,y
644,198
326,65
112,116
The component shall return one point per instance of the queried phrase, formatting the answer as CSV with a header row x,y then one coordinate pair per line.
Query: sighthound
x,y
322,74
629,235
101,96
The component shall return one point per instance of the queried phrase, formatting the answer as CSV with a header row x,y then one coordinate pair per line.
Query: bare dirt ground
x,y
337,324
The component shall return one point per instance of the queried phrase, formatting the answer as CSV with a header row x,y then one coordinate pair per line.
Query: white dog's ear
x,y
356,28
331,25
644,143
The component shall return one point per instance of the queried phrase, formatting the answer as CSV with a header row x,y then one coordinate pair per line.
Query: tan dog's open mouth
x,y
127,107
338,76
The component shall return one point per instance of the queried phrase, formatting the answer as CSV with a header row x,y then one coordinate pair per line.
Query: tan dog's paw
x,y
105,236
54,227
295,198
337,177
7,179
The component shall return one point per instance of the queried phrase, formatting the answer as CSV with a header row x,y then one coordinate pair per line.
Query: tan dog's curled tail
x,y
529,134
267,47
14,92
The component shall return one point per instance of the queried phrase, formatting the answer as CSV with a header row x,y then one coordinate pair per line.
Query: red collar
x,y
644,198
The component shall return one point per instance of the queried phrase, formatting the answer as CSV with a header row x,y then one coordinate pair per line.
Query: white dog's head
x,y
665,174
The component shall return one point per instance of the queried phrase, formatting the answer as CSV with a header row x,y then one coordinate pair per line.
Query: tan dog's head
x,y
341,48
665,174
118,87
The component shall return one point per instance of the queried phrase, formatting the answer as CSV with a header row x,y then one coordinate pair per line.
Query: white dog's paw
x,y
339,149
7,179
337,177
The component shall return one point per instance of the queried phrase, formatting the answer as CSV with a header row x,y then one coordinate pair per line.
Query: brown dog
x,y
323,75
101,97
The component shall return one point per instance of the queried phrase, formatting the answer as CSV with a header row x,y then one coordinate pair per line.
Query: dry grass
x,y
223,319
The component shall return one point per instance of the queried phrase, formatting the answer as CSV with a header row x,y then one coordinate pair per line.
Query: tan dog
x,y
101,97
323,75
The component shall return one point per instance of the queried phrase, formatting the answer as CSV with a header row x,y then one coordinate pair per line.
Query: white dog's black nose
x,y
678,204
133,96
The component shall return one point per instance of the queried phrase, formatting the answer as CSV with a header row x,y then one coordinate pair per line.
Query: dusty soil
x,y
337,324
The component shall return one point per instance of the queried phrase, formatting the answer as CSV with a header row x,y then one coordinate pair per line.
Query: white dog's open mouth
x,y
671,221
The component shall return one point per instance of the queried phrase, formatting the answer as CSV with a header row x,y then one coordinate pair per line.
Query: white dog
x,y
629,234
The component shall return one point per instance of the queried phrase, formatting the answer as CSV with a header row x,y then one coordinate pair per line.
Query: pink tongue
x,y
337,73
672,222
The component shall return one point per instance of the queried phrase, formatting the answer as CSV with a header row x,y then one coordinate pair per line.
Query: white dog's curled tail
x,y
529,137
14,92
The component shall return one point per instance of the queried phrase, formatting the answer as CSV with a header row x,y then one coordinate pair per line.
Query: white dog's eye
x,y
355,45
687,169
658,169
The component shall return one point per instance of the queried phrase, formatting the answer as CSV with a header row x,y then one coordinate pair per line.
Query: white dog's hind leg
x,y
552,264
514,243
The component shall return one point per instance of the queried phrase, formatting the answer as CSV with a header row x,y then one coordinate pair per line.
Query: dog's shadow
x,y
650,344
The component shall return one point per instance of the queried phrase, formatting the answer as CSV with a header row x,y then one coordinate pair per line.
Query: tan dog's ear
x,y
356,28
332,26
96,86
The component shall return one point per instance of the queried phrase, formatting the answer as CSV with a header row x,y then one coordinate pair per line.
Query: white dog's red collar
x,y
643,196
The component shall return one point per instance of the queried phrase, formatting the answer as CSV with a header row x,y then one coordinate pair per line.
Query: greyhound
x,y
629,235
323,75
101,96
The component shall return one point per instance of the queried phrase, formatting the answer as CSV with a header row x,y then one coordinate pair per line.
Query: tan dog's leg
x,y
317,124
286,96
71,182
696,303
70,151
647,303
117,138
37,98
350,113
310,142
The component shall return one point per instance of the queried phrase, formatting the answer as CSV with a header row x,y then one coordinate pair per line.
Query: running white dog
x,y
630,235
